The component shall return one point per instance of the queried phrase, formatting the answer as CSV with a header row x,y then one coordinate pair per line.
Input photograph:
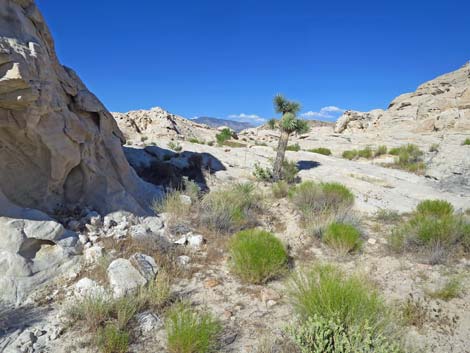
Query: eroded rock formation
x,y
58,143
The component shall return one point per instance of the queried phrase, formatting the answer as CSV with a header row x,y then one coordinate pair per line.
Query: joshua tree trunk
x,y
281,152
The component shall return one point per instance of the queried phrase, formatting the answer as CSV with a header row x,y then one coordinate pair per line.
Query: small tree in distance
x,y
288,124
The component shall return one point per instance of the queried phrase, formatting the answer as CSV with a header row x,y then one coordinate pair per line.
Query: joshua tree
x,y
288,124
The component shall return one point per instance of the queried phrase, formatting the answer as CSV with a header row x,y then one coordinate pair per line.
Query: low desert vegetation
x,y
387,216
452,288
108,319
434,147
321,204
231,208
257,256
434,231
339,313
466,142
175,146
222,137
280,189
409,158
294,148
113,340
196,140
289,172
288,125
343,238
321,150
191,331
367,153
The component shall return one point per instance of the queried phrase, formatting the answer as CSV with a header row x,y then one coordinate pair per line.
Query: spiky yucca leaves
x,y
288,125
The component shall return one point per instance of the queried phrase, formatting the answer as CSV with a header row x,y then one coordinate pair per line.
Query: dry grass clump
x,y
280,189
451,289
339,313
231,208
190,331
387,216
294,148
433,230
321,204
257,256
367,153
343,238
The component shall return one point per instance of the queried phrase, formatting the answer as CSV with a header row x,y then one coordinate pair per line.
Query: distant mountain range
x,y
216,122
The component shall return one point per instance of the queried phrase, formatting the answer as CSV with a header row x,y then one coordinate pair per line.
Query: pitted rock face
x,y
58,143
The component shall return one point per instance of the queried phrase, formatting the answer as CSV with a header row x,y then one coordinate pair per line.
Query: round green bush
x,y
257,255
344,238
435,208
338,194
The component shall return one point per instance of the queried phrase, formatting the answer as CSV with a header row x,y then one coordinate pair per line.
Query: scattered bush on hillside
x,y
343,238
339,313
190,331
434,147
321,204
175,146
433,230
295,147
409,158
350,154
466,142
223,136
280,189
321,150
257,256
289,172
196,140
231,208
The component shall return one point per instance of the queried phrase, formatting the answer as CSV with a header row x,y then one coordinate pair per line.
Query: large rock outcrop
x,y
441,104
58,143
150,125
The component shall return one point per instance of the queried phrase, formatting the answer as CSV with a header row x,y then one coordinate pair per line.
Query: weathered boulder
x,y
58,143
124,278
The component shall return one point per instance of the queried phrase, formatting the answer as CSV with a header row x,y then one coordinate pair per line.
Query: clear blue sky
x,y
222,58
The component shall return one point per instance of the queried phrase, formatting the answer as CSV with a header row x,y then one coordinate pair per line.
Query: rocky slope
x,y
143,125
59,148
442,104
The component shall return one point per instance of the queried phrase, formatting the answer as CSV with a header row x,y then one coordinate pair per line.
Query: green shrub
x,y
196,140
433,230
435,208
381,150
189,331
262,174
321,150
175,146
294,147
257,256
327,292
157,293
321,204
210,143
350,154
466,142
434,147
223,136
320,335
365,153
231,208
409,157
173,205
344,238
289,171
280,189
112,340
